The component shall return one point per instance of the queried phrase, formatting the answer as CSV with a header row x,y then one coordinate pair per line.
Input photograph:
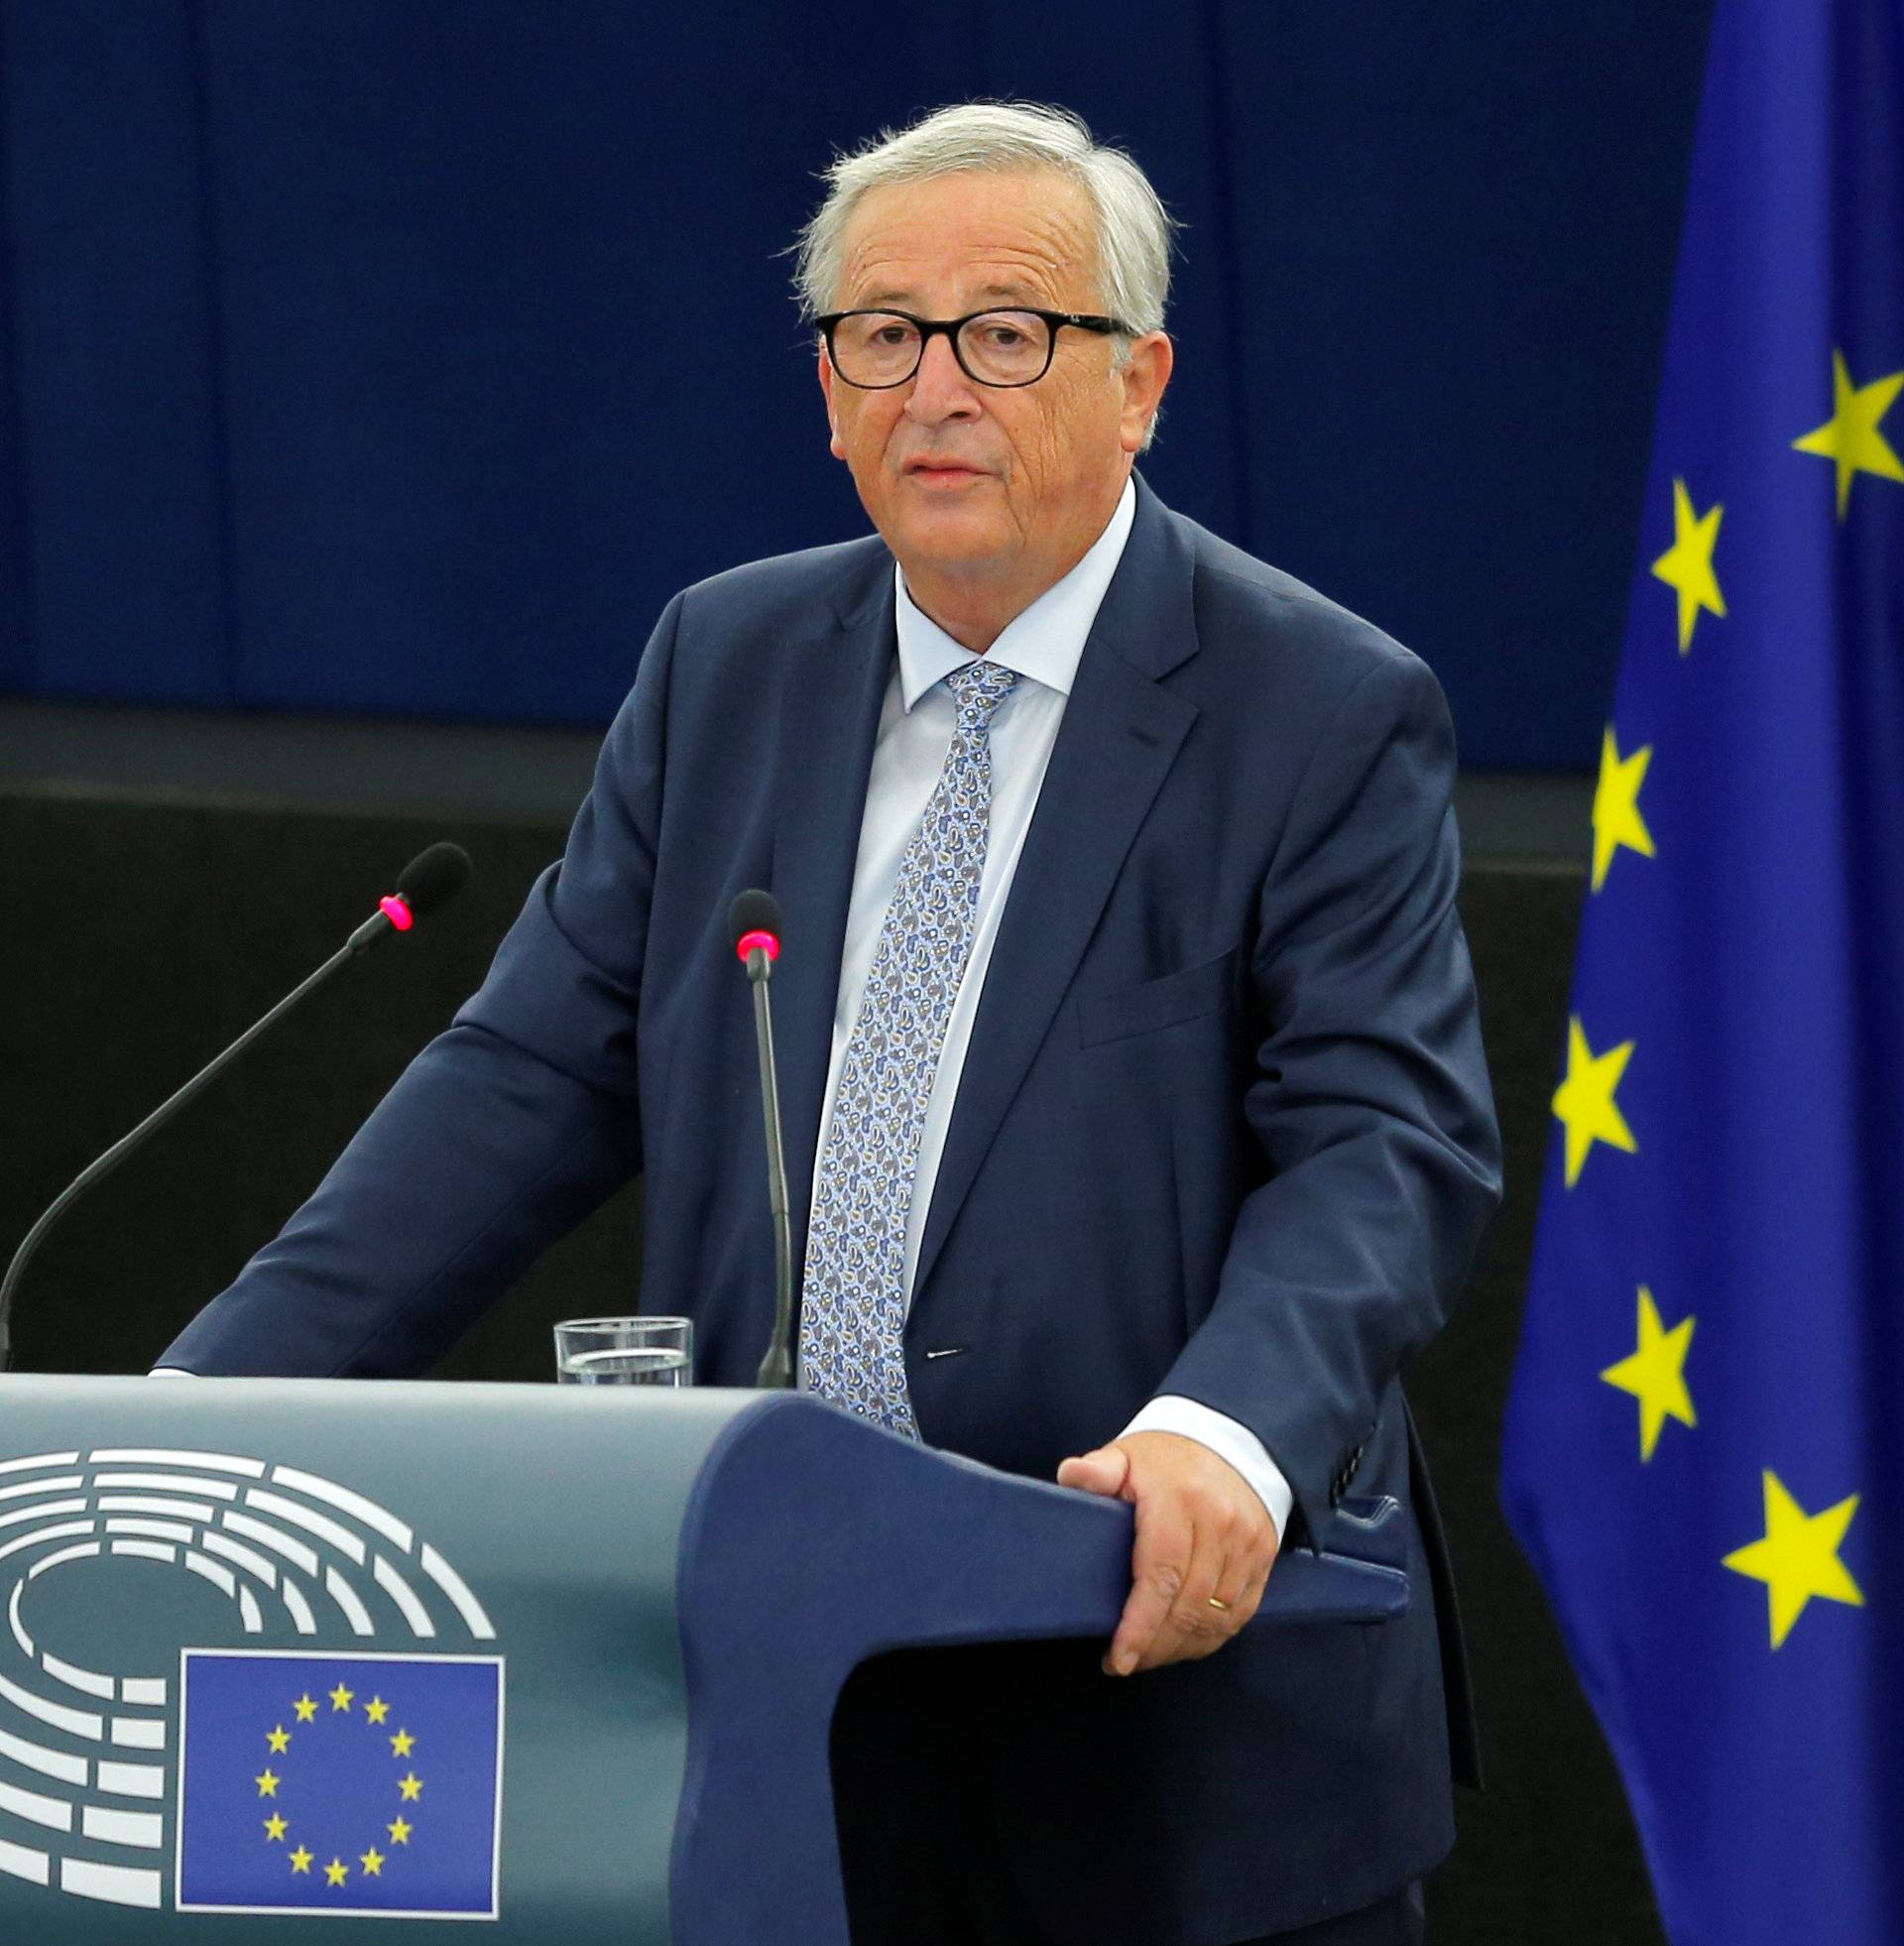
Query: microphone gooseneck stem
x,y
372,929
776,1367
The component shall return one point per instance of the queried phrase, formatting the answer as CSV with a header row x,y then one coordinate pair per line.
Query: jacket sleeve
x,y
1368,1097
504,1133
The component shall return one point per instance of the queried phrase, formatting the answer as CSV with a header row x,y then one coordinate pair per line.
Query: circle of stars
x,y
409,1788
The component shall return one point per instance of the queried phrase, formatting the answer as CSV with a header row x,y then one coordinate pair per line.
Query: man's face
x,y
973,484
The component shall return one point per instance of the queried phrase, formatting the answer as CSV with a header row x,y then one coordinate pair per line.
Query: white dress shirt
x,y
1044,644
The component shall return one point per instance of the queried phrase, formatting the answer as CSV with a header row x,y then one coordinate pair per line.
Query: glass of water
x,y
624,1351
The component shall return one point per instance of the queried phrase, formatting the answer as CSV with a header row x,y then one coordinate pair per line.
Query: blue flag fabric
x,y
1705,1453
340,1784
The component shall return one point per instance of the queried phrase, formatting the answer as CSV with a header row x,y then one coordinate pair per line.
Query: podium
x,y
557,1658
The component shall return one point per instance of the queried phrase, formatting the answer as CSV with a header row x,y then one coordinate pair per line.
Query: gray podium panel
x,y
557,1660
534,1529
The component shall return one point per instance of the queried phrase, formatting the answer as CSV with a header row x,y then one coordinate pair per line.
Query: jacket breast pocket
x,y
1187,994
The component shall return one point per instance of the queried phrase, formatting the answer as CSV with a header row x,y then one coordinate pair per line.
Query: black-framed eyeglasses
x,y
875,350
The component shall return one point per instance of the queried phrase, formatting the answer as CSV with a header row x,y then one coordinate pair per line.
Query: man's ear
x,y
832,413
1146,374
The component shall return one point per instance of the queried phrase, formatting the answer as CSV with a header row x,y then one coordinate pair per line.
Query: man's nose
x,y
940,388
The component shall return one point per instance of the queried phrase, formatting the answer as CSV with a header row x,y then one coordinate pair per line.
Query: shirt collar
x,y
1044,643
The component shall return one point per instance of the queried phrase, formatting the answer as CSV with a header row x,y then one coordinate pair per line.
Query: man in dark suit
x,y
1138,1122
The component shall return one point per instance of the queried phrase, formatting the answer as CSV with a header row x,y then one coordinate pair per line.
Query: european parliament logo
x,y
180,1725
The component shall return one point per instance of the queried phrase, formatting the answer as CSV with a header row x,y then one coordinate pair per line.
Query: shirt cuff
x,y
170,1372
1229,1439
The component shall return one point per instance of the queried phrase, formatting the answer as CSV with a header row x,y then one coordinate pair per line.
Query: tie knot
x,y
979,687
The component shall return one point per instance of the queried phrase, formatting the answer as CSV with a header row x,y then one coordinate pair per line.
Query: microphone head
x,y
751,914
433,878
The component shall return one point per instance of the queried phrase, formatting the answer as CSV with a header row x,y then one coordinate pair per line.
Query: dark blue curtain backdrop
x,y
380,355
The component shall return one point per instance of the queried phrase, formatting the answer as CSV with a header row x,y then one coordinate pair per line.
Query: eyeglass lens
x,y
998,347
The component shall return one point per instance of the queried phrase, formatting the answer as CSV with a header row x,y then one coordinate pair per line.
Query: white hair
x,y
1133,226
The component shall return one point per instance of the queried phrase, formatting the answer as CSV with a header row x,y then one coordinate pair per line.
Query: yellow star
x,y
412,1786
1585,1100
305,1708
300,1860
1616,819
1655,1374
1686,565
399,1832
275,1827
372,1862
279,1740
1850,438
402,1743
1798,1558
337,1871
340,1698
377,1709
268,1784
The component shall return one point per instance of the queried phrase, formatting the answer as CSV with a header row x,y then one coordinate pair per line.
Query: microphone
x,y
429,881
754,921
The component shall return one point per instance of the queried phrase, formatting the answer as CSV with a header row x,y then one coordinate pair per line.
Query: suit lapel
x,y
1121,734
829,717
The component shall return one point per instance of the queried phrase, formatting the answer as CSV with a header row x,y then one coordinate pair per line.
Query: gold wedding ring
x,y
1214,1603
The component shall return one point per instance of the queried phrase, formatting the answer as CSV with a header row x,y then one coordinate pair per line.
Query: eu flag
x,y
340,1784
1705,1451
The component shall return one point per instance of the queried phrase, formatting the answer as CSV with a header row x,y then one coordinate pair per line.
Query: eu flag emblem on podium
x,y
340,1784
1702,1453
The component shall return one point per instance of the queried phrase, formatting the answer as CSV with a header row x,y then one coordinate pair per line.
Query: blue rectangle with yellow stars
x,y
1702,1453
340,1784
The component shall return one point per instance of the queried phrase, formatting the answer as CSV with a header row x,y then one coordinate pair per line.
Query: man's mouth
x,y
941,472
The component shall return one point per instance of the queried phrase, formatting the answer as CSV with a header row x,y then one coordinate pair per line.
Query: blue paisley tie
x,y
853,1295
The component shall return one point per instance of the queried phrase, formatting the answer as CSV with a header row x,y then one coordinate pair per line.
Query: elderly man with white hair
x,y
1138,1128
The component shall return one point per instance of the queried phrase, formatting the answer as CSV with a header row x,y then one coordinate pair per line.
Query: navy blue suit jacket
x,y
1224,1130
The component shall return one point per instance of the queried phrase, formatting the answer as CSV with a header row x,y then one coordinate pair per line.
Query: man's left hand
x,y
1202,1531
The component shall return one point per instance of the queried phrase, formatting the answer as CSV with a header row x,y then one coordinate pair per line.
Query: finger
x,y
1196,1626
1244,1602
1159,1564
1231,1593
1250,1590
1247,1563
1221,1589
1103,1471
1240,1585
